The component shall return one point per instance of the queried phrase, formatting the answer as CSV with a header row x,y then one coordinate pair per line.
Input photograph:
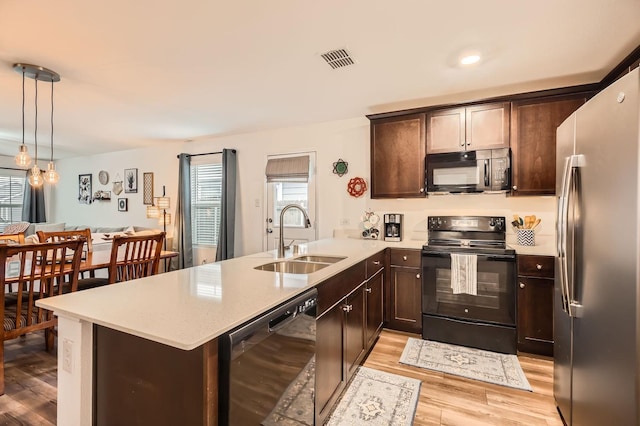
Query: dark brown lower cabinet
x,y
345,331
535,304
140,382
404,297
375,307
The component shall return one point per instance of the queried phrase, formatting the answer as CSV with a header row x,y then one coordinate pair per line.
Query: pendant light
x,y
35,178
23,159
51,176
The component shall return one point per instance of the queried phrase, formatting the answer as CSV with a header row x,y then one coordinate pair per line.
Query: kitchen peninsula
x,y
181,312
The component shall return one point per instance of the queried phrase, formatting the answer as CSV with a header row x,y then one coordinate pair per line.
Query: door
x,y
562,323
279,195
406,296
446,131
375,313
329,363
604,291
487,126
354,329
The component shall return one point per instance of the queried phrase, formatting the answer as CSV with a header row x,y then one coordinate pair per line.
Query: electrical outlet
x,y
257,202
67,355
345,221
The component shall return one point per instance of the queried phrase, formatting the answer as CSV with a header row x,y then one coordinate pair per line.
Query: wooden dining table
x,y
100,259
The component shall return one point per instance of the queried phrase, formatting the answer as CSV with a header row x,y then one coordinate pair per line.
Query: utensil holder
x,y
526,237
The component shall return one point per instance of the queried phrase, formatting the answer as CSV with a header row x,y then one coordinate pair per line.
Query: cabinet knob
x,y
347,308
521,285
462,143
368,290
376,262
514,187
538,266
404,258
418,276
421,190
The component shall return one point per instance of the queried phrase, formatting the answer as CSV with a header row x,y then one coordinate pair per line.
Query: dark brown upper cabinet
x,y
533,142
398,157
483,126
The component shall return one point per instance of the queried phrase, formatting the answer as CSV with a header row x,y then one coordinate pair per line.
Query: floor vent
x,y
338,58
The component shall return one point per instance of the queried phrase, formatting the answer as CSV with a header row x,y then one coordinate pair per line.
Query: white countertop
x,y
189,307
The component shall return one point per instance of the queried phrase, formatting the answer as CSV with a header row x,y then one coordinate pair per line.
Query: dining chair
x,y
132,257
40,270
12,238
53,236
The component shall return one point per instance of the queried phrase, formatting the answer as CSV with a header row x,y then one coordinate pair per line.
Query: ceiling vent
x,y
338,58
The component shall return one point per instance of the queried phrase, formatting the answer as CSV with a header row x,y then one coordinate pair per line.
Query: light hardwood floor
x,y
451,400
31,376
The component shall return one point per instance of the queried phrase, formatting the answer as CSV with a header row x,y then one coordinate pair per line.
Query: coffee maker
x,y
393,227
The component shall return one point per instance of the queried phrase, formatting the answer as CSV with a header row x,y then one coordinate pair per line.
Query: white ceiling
x,y
145,72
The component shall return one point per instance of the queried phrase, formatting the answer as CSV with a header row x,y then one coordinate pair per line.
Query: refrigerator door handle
x,y
574,307
561,230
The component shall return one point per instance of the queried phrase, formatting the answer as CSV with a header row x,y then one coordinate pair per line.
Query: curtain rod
x,y
13,168
205,153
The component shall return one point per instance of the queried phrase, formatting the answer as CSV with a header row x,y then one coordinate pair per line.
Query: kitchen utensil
x,y
536,223
515,224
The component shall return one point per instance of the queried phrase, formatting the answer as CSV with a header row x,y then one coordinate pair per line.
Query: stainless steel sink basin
x,y
320,259
292,267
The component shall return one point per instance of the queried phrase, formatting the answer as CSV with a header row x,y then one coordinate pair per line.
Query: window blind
x,y
206,195
11,196
288,169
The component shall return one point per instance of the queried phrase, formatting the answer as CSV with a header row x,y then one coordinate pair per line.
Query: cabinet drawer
x,y
536,266
375,263
338,286
405,257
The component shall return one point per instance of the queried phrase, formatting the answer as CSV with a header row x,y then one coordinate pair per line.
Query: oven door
x,y
496,298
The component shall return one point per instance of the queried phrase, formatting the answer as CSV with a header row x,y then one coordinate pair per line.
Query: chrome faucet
x,y
307,224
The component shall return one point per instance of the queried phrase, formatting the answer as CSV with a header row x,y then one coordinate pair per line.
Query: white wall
x,y
346,139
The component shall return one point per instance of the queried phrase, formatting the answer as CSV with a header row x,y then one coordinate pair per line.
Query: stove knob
x,y
492,222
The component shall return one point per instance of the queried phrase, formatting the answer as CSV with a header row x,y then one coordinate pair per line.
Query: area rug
x,y
295,407
492,367
377,398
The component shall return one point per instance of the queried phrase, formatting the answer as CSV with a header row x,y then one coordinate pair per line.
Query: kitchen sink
x,y
320,259
292,267
300,265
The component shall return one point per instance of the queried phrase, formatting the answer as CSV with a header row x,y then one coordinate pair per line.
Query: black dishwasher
x,y
267,367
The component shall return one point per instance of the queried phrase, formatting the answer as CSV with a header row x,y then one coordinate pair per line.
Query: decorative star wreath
x,y
356,187
340,167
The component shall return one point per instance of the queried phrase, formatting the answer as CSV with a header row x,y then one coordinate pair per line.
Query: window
x,y
11,196
290,193
206,194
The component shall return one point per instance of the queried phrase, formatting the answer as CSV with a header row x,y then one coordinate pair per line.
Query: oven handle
x,y
486,173
481,257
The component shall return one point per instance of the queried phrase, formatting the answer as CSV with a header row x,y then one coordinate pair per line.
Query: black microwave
x,y
469,171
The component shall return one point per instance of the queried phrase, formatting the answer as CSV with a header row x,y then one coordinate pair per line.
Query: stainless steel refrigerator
x,y
596,295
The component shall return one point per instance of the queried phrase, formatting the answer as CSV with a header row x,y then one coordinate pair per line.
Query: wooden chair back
x,y
12,238
40,270
54,236
135,257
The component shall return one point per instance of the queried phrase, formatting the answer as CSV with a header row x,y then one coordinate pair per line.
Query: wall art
x,y
102,196
130,180
123,204
84,189
147,188
340,167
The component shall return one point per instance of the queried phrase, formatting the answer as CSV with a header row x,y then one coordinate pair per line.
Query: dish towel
x,y
464,273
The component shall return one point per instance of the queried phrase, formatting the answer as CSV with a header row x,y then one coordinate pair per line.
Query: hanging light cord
x,y
23,105
35,137
52,120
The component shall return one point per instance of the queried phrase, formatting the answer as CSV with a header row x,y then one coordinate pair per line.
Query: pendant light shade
x,y
153,212
36,177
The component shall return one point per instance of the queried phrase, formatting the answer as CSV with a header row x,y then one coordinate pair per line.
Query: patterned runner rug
x,y
492,367
377,398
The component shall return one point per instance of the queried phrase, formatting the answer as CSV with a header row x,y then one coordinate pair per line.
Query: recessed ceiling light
x,y
470,59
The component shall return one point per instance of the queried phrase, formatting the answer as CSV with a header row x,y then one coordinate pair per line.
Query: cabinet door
x,y
487,126
406,299
354,342
535,315
398,157
445,131
533,143
329,363
375,295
